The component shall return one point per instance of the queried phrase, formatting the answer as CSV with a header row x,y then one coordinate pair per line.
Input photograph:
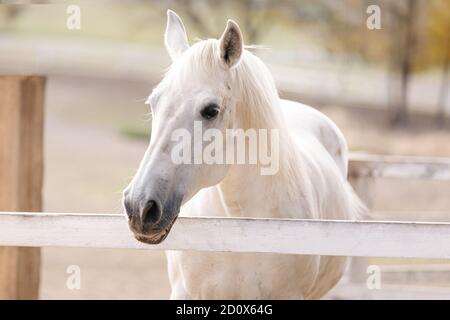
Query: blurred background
x,y
387,89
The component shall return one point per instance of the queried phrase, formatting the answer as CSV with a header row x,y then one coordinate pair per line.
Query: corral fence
x,y
24,229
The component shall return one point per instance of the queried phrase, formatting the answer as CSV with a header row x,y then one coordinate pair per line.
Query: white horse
x,y
221,84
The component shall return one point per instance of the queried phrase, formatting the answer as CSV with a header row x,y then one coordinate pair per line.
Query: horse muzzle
x,y
149,218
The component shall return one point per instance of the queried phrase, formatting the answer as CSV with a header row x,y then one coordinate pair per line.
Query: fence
x,y
20,190
288,236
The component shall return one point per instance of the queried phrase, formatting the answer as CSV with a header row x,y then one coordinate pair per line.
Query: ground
x,y
88,162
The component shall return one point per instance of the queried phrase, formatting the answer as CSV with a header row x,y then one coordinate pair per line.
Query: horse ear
x,y
175,37
231,44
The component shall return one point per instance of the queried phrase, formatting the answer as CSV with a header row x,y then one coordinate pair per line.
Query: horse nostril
x,y
151,213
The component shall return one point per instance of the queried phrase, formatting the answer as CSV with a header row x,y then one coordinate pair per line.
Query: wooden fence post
x,y
21,169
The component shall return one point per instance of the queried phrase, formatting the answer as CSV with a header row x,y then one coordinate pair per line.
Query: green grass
x,y
135,133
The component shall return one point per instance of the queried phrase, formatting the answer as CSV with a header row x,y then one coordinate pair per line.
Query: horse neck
x,y
246,192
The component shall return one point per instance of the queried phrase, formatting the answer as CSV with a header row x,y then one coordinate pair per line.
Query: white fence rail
x,y
400,167
324,237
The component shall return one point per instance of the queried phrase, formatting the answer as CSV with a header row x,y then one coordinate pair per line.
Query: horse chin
x,y
157,239
154,237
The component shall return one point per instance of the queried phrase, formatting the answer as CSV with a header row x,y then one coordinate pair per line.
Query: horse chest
x,y
243,276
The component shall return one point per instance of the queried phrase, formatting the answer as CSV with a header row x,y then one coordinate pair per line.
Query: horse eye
x,y
210,111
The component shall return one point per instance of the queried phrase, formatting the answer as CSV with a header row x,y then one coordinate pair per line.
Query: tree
x,y
438,35
403,17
